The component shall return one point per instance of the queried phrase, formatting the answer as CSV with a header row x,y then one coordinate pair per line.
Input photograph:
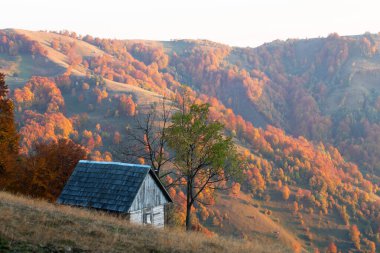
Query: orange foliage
x,y
126,105
41,93
47,169
13,44
41,127
355,236
332,248
285,192
141,160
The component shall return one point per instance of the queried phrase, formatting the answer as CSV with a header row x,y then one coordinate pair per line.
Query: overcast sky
x,y
234,22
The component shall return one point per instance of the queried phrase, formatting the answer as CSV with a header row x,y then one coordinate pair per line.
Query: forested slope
x,y
303,112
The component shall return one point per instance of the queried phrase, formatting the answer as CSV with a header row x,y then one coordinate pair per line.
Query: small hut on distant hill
x,y
121,188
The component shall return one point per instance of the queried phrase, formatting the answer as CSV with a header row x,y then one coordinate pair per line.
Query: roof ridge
x,y
114,163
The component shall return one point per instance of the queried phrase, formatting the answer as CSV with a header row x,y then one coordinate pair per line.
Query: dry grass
x,y
247,219
36,222
45,38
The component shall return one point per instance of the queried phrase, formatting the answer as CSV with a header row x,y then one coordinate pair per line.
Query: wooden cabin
x,y
131,190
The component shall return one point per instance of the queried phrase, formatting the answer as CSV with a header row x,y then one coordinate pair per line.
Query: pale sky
x,y
233,22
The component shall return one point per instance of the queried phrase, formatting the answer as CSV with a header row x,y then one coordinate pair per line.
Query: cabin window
x,y
147,218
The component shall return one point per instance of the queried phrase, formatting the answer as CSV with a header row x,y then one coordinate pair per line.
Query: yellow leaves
x,y
285,192
24,95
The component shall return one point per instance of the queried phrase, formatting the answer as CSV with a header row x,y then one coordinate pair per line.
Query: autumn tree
x,y
372,247
355,236
74,58
204,157
343,214
9,138
332,248
127,106
48,168
285,192
40,93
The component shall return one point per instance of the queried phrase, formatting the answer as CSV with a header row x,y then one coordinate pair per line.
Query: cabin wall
x,y
148,196
136,217
149,216
159,216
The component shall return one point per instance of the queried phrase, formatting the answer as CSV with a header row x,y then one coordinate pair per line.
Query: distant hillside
x,y
324,89
304,114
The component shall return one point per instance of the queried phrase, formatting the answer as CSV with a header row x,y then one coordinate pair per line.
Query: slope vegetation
x,y
31,225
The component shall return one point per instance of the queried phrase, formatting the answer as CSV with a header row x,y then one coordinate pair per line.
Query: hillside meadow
x,y
30,225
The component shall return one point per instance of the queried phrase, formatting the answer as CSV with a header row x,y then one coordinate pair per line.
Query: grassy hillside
x,y
245,218
29,225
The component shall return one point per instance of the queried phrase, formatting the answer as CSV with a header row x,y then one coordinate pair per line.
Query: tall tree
x,y
9,138
204,157
146,139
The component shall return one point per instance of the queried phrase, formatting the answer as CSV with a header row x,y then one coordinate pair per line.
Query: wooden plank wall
x,y
148,196
136,217
158,216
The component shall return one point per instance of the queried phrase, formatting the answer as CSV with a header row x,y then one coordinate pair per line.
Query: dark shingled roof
x,y
106,185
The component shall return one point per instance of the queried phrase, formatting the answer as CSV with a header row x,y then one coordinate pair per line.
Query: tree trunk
x,y
188,217
188,206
